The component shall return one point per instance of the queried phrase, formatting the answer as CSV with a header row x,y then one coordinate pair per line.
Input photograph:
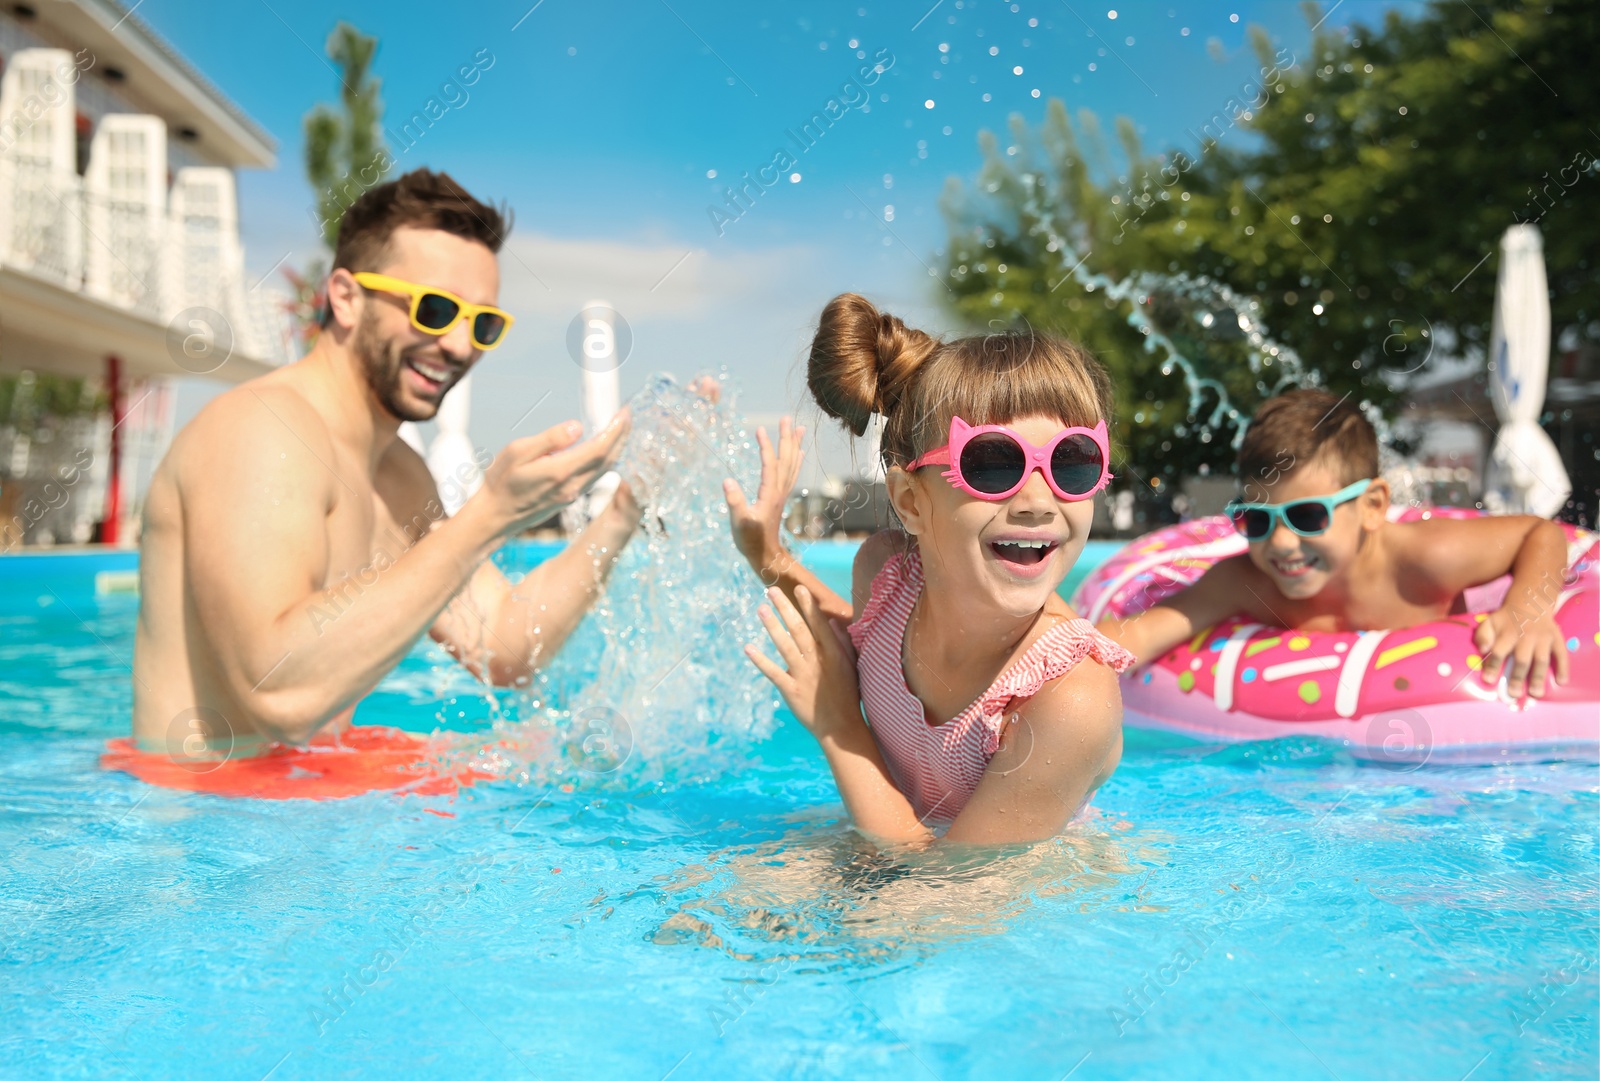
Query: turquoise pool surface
x,y
1275,910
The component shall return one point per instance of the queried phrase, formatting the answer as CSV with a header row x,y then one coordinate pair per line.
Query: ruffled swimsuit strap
x,y
1058,651
900,573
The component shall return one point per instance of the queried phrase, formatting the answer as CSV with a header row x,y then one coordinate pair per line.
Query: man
x,y
295,548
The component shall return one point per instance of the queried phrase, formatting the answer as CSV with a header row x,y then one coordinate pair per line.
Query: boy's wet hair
x,y
1306,426
864,361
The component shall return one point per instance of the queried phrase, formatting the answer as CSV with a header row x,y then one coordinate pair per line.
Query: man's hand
x,y
625,505
650,474
708,388
532,478
756,525
1532,646
820,683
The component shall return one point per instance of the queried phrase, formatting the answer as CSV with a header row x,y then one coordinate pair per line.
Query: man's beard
x,y
383,361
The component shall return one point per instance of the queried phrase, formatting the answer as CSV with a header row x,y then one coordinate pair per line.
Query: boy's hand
x,y
820,683
1531,646
755,525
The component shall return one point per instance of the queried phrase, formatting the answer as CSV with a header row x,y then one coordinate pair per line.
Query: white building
x,y
120,258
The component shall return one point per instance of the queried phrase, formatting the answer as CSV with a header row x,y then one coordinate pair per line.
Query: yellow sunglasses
x,y
434,311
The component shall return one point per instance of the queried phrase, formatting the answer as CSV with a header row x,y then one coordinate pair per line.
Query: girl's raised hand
x,y
756,525
819,684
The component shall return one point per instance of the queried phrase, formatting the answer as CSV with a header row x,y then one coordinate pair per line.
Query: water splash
x,y
823,898
1216,308
654,682
1212,304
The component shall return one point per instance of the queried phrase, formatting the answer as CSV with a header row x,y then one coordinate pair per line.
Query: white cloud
x,y
748,312
751,312
557,276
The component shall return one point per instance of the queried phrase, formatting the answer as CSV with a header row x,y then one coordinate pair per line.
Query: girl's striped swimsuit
x,y
938,766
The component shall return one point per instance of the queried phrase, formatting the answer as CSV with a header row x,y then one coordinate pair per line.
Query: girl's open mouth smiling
x,y
1023,555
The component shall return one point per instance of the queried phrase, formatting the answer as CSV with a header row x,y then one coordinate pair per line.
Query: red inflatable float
x,y
361,759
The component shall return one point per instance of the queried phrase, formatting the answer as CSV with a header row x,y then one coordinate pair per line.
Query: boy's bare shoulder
x,y
1421,535
1407,541
1237,583
1449,554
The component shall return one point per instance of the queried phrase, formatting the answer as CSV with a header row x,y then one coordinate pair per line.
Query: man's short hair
x,y
421,199
1305,426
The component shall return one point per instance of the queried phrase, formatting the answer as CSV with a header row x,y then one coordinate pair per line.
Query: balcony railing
x,y
109,224
154,261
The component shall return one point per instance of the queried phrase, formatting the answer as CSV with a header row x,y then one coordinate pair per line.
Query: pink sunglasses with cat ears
x,y
992,462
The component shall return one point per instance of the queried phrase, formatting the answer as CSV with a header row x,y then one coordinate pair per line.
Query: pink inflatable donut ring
x,y
1398,697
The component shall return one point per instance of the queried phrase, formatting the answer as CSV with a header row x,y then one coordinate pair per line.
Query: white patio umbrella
x,y
602,397
450,455
1525,474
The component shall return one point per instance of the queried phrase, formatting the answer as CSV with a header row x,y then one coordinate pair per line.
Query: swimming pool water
x,y
1272,910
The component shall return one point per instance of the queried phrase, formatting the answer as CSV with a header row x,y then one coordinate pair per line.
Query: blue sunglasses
x,y
1307,517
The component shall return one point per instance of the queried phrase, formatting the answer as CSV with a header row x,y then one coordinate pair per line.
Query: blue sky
x,y
600,122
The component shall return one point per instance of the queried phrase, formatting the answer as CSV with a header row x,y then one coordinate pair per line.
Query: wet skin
x,y
294,548
991,569
1367,573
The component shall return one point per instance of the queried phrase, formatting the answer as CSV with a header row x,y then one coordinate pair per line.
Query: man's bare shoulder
x,y
404,482
252,424
269,404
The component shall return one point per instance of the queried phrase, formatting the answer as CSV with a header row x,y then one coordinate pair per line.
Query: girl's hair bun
x,y
863,360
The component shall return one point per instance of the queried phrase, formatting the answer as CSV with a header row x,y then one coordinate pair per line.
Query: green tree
x,y
30,400
345,153
1381,168
1021,244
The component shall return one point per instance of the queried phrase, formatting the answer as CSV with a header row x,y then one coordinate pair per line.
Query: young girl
x,y
982,715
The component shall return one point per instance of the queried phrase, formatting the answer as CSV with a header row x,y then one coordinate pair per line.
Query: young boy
x,y
1323,556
